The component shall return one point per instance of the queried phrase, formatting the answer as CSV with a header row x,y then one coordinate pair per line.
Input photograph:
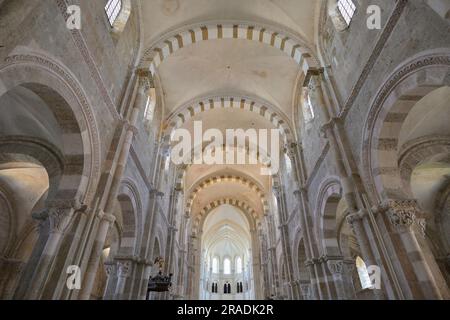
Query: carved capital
x,y
156,193
129,127
353,219
335,266
58,214
108,217
401,213
422,225
110,268
145,79
305,288
124,268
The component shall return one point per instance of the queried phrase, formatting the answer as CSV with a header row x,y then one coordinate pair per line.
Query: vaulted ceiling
x,y
254,52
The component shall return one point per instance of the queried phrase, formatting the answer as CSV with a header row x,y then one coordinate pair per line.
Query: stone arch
x,y
286,42
56,86
262,156
420,150
248,210
403,89
131,207
329,196
39,151
214,179
261,108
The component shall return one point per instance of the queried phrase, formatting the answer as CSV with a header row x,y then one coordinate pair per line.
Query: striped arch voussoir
x,y
177,119
226,178
294,48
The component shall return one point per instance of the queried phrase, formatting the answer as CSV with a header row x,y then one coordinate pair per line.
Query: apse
x,y
226,256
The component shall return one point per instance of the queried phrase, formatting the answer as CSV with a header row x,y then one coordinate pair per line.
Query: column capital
x,y
156,193
107,217
58,214
311,262
145,78
335,266
110,268
124,268
129,127
401,213
305,288
312,74
355,217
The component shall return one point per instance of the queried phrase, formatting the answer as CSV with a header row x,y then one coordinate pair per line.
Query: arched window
x,y
167,163
215,265
238,265
308,111
288,164
208,263
363,273
347,9
112,9
227,266
106,253
150,106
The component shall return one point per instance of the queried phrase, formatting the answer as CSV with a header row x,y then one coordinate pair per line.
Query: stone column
x,y
336,268
53,224
356,223
130,130
302,196
274,271
284,231
305,290
172,228
11,269
400,218
111,282
106,220
124,269
327,129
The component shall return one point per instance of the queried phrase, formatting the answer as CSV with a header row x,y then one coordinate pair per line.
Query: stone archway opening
x,y
32,166
226,260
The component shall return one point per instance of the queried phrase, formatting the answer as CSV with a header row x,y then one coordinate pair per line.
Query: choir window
x,y
149,112
112,9
347,8
227,266
364,277
215,265
308,111
239,265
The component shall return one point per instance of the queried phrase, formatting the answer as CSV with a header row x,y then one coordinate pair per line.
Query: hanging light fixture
x,y
160,282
